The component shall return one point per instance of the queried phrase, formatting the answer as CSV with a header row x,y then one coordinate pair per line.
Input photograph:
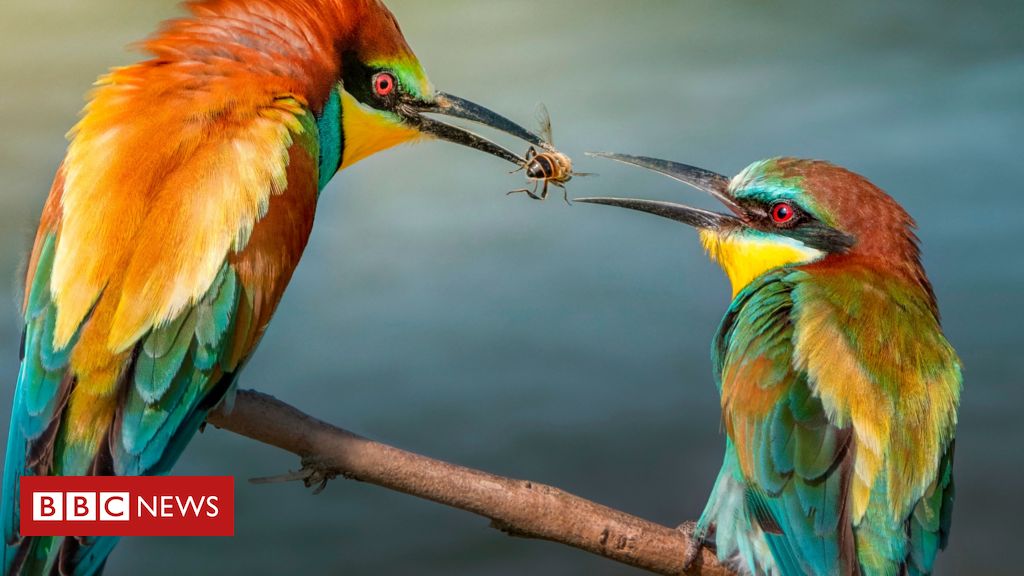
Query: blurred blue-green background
x,y
570,345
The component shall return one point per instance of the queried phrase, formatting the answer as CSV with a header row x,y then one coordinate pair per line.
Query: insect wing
x,y
544,121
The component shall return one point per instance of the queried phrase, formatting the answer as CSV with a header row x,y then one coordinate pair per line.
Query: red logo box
x,y
127,506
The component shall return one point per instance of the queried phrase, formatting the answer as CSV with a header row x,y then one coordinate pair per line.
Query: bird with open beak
x,y
839,391
174,224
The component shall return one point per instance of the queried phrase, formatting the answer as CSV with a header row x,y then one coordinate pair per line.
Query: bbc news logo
x,y
127,506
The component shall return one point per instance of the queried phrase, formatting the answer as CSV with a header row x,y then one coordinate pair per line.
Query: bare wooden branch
x,y
518,507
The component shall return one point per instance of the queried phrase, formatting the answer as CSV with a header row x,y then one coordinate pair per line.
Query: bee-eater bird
x,y
175,222
839,391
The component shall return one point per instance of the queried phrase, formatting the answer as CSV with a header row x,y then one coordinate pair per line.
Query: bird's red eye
x,y
383,84
782,213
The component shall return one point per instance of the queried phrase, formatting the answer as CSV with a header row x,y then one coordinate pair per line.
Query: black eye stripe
x,y
802,226
358,80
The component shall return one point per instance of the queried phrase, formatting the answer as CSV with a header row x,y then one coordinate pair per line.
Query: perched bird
x,y
175,222
839,391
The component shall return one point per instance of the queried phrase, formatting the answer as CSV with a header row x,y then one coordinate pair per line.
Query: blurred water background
x,y
570,345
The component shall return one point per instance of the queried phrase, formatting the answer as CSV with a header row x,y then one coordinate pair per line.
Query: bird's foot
x,y
312,474
698,540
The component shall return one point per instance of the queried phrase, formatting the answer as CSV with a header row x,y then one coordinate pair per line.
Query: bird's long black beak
x,y
705,180
453,106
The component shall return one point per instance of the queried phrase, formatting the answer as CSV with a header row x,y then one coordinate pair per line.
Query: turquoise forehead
x,y
766,182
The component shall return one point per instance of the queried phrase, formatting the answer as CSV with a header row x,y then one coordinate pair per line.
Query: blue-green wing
x,y
40,395
179,372
796,464
932,519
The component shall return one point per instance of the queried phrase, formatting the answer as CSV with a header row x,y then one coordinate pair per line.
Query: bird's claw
x,y
312,475
290,476
697,541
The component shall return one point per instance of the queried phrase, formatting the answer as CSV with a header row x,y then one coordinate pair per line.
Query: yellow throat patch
x,y
367,131
745,257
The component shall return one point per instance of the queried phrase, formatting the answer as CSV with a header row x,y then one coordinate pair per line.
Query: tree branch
x,y
518,507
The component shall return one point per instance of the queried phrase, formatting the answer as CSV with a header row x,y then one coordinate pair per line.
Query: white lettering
x,y
143,503
214,511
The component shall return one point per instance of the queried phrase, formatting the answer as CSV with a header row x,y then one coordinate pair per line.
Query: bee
x,y
548,166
